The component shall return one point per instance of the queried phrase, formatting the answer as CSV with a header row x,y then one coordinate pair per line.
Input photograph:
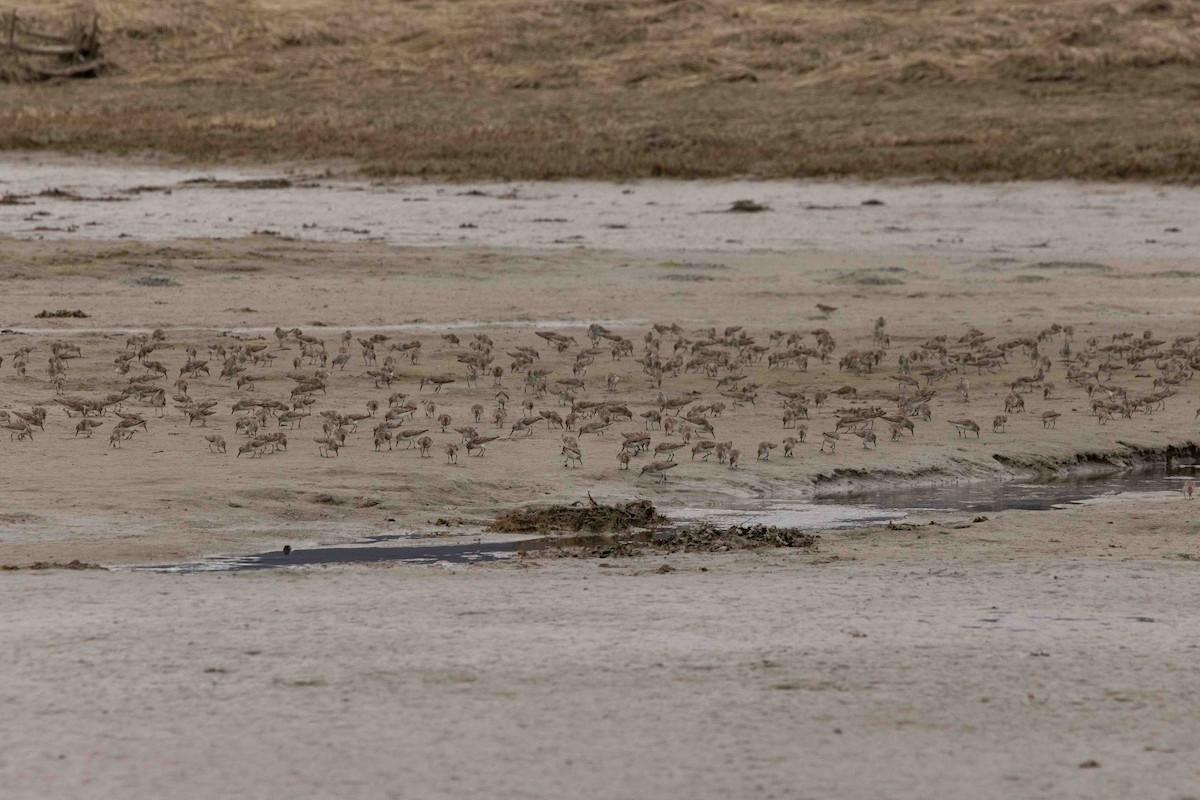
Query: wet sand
x,y
940,660
983,662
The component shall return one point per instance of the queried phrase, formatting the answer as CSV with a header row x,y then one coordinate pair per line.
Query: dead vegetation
x,y
702,538
710,538
591,517
748,207
44,565
979,89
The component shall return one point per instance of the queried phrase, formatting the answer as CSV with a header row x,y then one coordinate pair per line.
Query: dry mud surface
x,y
993,659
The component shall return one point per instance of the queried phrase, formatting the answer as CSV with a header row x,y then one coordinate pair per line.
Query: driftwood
x,y
40,56
43,49
92,67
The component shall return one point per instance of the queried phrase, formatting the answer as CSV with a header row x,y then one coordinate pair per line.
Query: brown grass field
x,y
961,89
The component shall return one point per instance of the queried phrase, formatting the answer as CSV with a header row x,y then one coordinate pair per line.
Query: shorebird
x,y
594,427
524,425
252,447
965,426
868,438
327,445
198,413
215,441
764,450
424,445
636,441
1049,418
292,419
829,440
998,423
19,430
1014,403
704,449
734,456
479,443
1189,487
789,444
85,426
623,458
659,468
667,447
571,454
35,416
451,451
409,435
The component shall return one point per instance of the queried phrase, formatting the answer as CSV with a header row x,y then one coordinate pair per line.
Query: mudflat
x,y
1045,654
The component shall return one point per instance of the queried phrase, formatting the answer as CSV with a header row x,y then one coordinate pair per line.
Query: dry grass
x,y
615,88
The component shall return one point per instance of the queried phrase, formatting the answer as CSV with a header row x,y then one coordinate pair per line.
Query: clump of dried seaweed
x,y
41,565
700,539
591,516
709,538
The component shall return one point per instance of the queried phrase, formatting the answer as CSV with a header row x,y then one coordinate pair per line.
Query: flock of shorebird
x,y
736,364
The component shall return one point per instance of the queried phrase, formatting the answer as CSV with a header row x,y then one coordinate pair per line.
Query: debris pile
x,y
593,517
709,538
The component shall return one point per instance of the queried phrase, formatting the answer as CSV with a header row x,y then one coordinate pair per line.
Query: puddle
x,y
1039,495
378,549
1045,221
366,552
821,514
